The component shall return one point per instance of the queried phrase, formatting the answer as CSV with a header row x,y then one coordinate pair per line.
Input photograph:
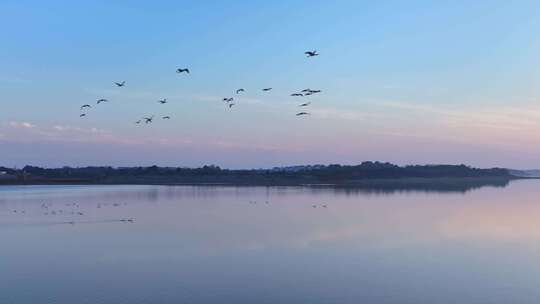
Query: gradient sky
x,y
403,81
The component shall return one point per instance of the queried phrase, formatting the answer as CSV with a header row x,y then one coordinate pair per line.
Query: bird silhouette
x,y
138,122
185,70
305,104
82,115
297,94
305,90
230,105
230,99
85,106
101,100
163,101
240,90
267,89
311,53
311,92
120,84
302,113
148,120
166,117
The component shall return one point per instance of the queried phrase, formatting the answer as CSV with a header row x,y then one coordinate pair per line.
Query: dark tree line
x,y
214,174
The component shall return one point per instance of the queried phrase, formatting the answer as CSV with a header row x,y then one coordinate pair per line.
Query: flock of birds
x,y
73,209
228,100
76,214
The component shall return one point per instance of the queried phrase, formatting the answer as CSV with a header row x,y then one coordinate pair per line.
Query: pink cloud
x,y
21,125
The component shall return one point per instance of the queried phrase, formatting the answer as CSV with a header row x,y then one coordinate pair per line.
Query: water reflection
x,y
443,185
269,245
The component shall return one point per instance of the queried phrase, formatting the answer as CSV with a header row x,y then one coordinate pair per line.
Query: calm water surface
x,y
68,244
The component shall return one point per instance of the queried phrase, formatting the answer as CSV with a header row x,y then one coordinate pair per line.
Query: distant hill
x,y
294,175
525,173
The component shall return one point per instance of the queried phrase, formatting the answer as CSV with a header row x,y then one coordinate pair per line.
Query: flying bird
x,y
267,89
85,106
82,115
311,53
166,117
179,70
305,104
240,90
230,105
305,90
163,101
311,92
302,113
297,94
101,100
120,84
138,122
148,120
230,99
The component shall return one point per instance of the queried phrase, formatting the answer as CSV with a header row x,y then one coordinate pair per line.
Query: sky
x,y
409,82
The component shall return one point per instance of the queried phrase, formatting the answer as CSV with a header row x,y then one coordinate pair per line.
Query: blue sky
x,y
402,81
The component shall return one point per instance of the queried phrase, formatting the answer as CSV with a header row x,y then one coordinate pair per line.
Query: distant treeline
x,y
317,174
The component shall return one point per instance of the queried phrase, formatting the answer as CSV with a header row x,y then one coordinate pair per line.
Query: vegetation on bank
x,y
317,174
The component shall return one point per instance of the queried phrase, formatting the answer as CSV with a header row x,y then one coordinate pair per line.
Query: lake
x,y
210,244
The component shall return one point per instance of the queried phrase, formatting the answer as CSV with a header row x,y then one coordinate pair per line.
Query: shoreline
x,y
351,183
